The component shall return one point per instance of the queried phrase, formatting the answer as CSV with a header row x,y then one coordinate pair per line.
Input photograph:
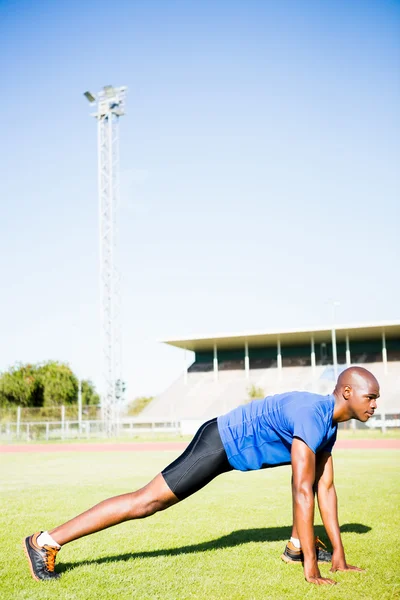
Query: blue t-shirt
x,y
260,434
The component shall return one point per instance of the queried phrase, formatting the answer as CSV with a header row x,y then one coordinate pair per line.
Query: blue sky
x,y
259,172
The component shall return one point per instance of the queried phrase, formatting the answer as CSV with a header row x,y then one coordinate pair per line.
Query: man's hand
x,y
321,581
313,575
339,563
343,566
303,468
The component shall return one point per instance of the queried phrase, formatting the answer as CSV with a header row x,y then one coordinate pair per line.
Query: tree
x,y
21,386
44,385
89,395
60,385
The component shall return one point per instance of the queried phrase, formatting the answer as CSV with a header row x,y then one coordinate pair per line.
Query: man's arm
x,y
327,502
304,471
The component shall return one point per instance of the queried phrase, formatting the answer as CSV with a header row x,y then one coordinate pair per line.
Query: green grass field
x,y
222,543
343,434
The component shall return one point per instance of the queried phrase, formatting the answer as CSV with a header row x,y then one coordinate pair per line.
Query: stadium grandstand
x,y
229,370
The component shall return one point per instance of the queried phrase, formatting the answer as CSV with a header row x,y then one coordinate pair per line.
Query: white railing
x,y
86,429
131,427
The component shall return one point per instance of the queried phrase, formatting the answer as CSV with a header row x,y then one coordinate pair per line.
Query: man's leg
x,y
41,555
155,496
202,461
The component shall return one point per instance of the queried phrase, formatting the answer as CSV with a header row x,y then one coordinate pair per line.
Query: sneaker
x,y
295,555
41,559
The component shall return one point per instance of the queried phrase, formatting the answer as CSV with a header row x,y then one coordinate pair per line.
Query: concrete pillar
x,y
62,421
215,363
185,371
385,370
334,347
313,362
246,360
18,421
348,363
279,357
80,406
334,353
384,353
348,355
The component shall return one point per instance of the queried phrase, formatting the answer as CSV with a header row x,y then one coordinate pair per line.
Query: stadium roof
x,y
287,337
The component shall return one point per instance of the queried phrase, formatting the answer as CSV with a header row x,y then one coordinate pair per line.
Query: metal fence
x,y
383,422
64,423
50,413
29,431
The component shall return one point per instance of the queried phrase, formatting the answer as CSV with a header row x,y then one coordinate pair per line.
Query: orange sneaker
x,y
295,555
41,559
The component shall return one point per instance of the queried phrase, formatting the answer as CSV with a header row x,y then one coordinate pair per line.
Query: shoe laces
x,y
50,557
319,543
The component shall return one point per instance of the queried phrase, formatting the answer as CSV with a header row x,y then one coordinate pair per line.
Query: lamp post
x,y
110,107
80,406
334,346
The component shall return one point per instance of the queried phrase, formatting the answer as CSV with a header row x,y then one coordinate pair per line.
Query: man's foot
x,y
41,559
295,555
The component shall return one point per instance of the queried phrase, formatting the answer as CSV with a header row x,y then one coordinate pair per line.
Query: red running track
x,y
356,444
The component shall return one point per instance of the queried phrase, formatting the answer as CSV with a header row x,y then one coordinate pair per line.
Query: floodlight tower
x,y
110,107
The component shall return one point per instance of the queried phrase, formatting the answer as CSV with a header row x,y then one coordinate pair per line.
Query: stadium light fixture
x,y
109,90
110,106
90,97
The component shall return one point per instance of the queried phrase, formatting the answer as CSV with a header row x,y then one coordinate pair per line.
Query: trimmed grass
x,y
222,543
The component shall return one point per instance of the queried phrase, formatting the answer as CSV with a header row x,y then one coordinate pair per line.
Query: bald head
x,y
356,376
356,392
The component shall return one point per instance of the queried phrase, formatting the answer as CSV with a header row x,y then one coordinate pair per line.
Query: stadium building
x,y
229,370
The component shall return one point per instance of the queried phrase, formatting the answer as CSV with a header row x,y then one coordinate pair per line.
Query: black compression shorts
x,y
200,463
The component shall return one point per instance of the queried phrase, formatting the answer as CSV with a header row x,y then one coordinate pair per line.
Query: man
x,y
297,428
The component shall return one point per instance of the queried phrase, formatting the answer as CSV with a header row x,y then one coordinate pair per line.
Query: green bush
x,y
138,404
255,392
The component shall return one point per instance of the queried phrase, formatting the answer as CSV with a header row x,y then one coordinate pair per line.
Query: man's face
x,y
362,399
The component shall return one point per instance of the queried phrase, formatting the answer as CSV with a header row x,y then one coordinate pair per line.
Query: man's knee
x,y
149,504
154,497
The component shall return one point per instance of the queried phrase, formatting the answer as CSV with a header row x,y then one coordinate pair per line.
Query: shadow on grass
x,y
236,538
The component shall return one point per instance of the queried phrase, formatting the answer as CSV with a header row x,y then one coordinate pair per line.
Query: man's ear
x,y
346,392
